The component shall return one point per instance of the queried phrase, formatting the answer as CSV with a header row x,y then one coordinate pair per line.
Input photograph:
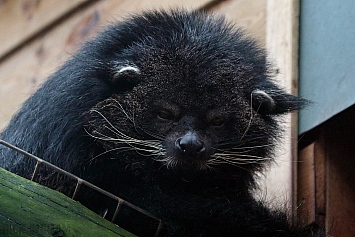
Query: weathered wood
x,y
251,15
21,73
306,185
320,179
326,190
281,43
21,19
29,209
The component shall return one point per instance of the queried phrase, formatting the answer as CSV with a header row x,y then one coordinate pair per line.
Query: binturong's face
x,y
199,101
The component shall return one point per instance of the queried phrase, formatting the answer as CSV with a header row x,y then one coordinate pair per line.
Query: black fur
x,y
199,97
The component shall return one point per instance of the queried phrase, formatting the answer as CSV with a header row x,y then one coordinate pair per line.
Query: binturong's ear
x,y
125,76
268,99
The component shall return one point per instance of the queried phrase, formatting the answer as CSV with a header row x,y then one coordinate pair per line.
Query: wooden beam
x,y
320,178
306,188
282,45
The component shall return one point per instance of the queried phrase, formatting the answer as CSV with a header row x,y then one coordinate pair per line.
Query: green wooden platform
x,y
29,209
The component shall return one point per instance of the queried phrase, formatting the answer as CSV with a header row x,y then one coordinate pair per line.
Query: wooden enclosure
x,y
326,187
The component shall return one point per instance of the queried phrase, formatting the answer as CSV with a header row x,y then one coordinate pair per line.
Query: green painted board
x,y
29,209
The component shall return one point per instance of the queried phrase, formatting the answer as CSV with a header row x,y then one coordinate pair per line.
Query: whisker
x,y
247,147
217,161
240,142
131,118
128,141
142,147
233,154
116,131
235,157
251,117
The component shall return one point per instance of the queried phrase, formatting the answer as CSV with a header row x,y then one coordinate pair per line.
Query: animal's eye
x,y
218,121
164,115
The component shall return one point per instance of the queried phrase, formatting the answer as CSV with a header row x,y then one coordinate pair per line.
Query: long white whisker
x,y
234,154
152,147
251,117
224,161
123,137
124,111
246,147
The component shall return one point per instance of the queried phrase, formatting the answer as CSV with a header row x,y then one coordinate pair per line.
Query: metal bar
x,y
35,171
160,227
118,208
77,187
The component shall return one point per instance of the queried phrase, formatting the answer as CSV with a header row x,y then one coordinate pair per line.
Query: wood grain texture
x,y
29,209
326,187
306,186
282,46
320,177
249,14
20,19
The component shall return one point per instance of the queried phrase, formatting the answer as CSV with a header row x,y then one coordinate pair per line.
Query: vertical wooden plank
x,y
320,178
306,185
282,40
282,44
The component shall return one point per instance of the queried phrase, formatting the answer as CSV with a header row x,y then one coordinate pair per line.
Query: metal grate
x,y
121,203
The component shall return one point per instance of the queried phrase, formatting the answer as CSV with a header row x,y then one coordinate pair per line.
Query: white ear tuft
x,y
125,76
126,70
262,100
129,68
264,94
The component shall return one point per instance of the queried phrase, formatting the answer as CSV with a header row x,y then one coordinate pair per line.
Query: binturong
x,y
176,112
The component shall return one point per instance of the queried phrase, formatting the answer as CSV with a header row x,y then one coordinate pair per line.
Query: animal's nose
x,y
190,144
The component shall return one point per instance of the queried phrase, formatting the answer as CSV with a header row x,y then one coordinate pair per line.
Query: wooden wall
x,y
37,36
326,187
